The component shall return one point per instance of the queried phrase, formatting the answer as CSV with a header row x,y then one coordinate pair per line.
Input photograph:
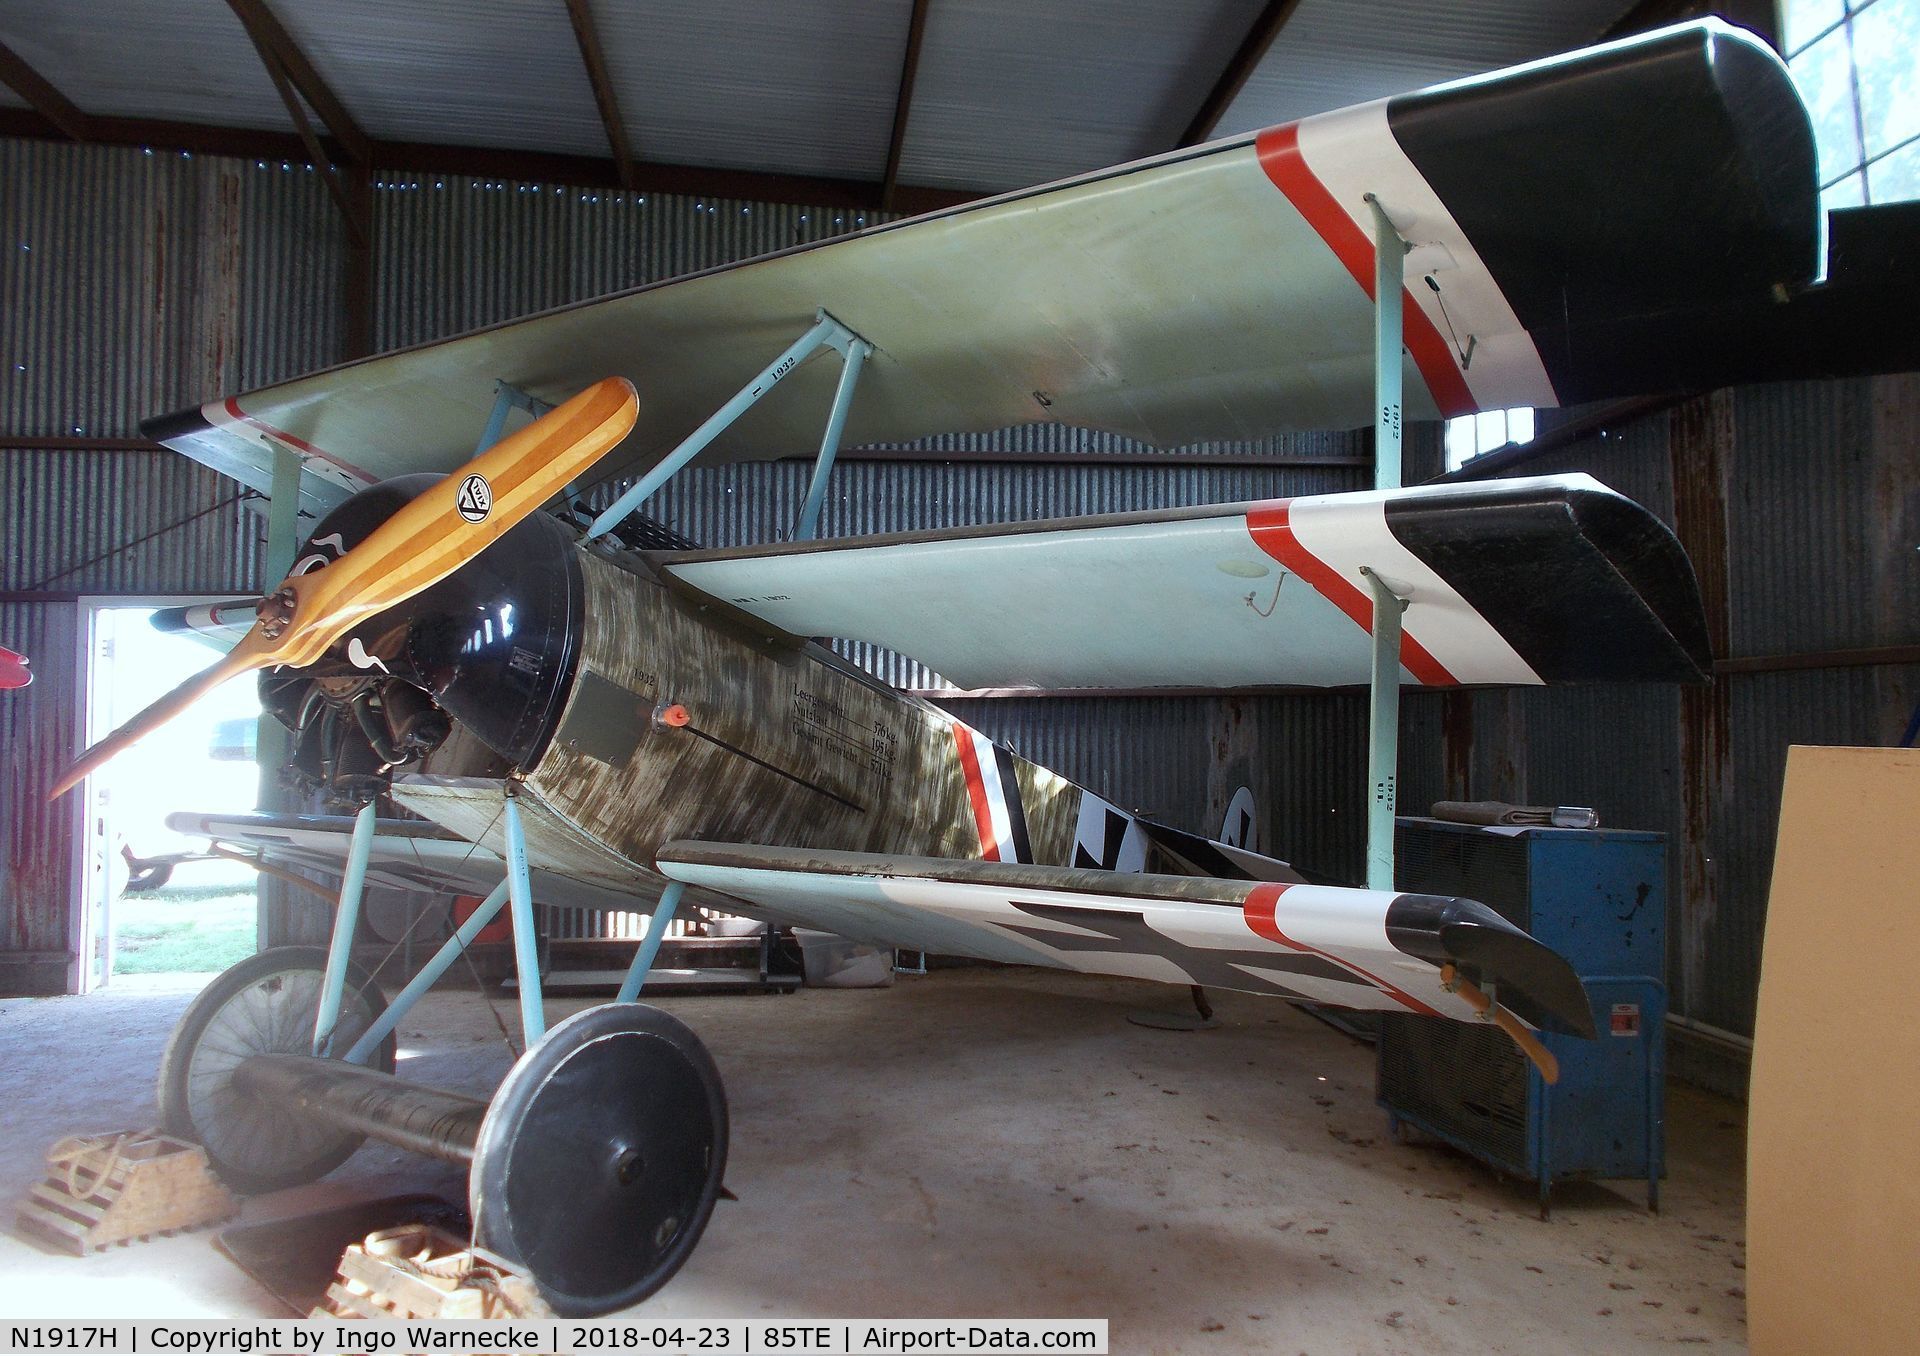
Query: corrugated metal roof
x,y
189,60
1010,92
1013,92
793,88
466,72
1333,53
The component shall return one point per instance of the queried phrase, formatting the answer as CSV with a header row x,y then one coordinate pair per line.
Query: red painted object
x,y
499,930
13,670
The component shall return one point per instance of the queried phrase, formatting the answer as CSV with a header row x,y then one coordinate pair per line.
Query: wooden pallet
x,y
106,1189
420,1272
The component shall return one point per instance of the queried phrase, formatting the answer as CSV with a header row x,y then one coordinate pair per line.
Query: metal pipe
x,y
1389,279
526,946
497,420
1383,731
440,962
421,1120
346,921
649,951
809,520
825,327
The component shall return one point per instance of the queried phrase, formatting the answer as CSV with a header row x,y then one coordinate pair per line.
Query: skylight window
x,y
1857,64
1472,434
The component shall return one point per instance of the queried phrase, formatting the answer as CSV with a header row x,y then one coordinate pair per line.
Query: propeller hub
x,y
276,612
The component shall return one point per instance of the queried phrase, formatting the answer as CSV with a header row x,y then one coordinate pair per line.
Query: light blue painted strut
x,y
346,921
429,975
1383,732
1383,726
526,947
809,520
507,397
650,945
1389,278
825,331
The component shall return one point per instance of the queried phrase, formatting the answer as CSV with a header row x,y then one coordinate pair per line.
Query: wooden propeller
x,y
1529,1043
427,540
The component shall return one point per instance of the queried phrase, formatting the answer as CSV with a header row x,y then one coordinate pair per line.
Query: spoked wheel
x,y
601,1156
264,1005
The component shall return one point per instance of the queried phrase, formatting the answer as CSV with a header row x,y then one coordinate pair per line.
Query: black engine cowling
x,y
492,646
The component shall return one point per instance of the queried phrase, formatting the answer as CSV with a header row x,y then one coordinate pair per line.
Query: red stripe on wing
x,y
1271,531
1279,152
232,406
1259,910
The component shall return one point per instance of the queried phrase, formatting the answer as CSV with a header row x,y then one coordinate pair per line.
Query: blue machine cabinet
x,y
1598,897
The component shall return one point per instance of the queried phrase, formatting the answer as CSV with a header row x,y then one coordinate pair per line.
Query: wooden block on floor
x,y
106,1189
418,1271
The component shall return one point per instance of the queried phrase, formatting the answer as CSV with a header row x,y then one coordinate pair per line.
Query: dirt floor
x,y
988,1143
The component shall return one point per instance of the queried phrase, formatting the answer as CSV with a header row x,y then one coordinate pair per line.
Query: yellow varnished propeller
x,y
427,540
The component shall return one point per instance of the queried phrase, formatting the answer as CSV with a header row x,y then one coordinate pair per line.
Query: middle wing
x,y
1545,580
1319,943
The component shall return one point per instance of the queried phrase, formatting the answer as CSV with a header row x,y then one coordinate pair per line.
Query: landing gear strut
x,y
595,1166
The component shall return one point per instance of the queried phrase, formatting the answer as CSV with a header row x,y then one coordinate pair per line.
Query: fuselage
x,y
687,721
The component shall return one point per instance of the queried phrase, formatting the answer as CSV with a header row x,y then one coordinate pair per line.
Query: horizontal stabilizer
x,y
1317,943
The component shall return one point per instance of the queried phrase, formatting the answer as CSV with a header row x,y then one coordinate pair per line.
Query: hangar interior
x,y
969,1140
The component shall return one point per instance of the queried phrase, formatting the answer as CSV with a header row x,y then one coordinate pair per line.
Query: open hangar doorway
x,y
153,901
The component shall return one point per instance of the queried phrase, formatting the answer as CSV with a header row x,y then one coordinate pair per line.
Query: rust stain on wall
x,y
1702,452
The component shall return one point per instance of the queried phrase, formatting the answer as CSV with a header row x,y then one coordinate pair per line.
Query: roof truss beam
x,y
350,208
903,103
1246,58
49,102
594,59
275,44
541,167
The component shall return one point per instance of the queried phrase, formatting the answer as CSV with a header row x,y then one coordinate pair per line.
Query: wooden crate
x,y
107,1189
418,1271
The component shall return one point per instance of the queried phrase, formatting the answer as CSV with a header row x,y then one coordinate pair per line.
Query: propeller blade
x,y
454,521
254,652
427,540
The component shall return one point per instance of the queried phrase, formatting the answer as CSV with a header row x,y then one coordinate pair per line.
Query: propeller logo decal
x,y
476,499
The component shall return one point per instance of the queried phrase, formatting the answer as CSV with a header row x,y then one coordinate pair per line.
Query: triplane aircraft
x,y
615,715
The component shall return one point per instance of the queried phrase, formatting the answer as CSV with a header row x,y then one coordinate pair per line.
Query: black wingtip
x,y
1524,974
1528,976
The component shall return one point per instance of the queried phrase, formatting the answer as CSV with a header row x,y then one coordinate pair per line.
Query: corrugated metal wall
x,y
456,253
132,283
1804,499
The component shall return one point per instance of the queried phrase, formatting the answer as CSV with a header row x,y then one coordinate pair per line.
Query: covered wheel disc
x,y
601,1156
265,1005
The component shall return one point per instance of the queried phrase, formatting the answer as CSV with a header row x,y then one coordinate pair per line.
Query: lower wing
x,y
407,854
1426,954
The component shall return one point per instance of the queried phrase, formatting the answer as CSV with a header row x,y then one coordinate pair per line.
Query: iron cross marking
x,y
1215,967
1114,835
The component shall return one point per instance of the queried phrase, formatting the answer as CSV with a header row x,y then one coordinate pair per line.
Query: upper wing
x,y
1544,580
1573,222
1326,944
